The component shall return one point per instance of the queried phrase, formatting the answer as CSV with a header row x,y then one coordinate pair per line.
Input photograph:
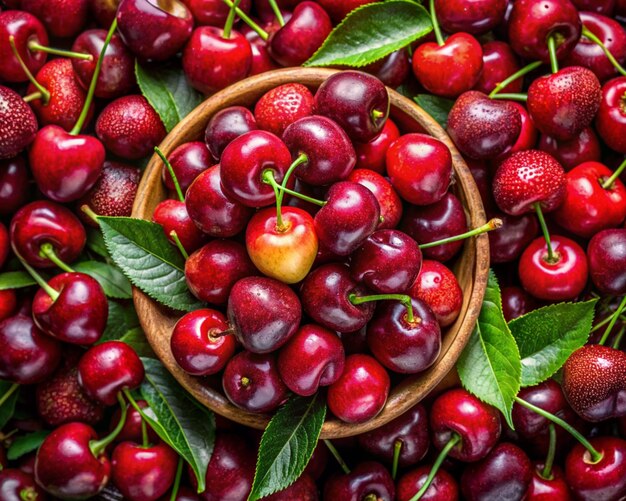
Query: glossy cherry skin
x,y
508,242
172,215
478,424
285,253
583,148
24,28
301,36
450,69
143,473
313,357
357,101
527,138
606,7
251,382
78,315
325,296
65,465
46,222
474,16
543,489
154,29
362,390
531,22
588,207
559,281
108,368
197,345
212,12
388,262
62,19
212,62
14,185
505,473
390,203
516,302
282,106
392,70
226,125
188,160
215,213
605,479
18,124
499,62
443,487
372,155
15,485
437,286
611,118
28,355
8,303
368,480
419,168
104,11
339,9
213,269
411,428
5,244
607,259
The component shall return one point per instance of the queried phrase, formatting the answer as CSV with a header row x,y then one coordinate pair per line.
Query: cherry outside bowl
x,y
471,266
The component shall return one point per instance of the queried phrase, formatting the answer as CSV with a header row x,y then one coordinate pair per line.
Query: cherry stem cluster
x,y
510,79
98,446
45,94
337,456
228,25
546,233
492,224
54,294
246,19
595,455
546,473
456,438
405,299
436,28
587,33
277,12
608,183
554,62
613,320
35,46
47,250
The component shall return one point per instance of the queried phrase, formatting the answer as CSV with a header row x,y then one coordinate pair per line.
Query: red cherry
x,y
18,124
24,28
282,106
611,118
388,199
372,155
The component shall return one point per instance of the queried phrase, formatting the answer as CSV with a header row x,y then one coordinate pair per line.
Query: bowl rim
x,y
152,316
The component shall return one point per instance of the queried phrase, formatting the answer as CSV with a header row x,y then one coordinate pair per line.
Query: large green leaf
x,y
15,280
151,263
490,365
26,443
437,107
168,91
548,336
178,419
371,32
287,444
112,280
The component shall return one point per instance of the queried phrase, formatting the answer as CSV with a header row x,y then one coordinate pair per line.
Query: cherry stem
x,y
179,244
618,339
595,455
302,158
337,456
512,97
90,213
228,25
405,299
546,233
94,80
13,388
34,46
145,441
397,449
554,62
177,478
47,250
44,92
546,473
269,179
436,28
277,12
53,293
614,318
587,33
518,74
455,439
32,97
246,19
609,182
98,446
492,224
170,169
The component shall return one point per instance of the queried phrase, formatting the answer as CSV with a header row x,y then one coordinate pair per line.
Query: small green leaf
x,y
287,444
95,243
122,319
178,419
371,32
168,92
151,263
490,365
26,443
15,280
437,107
548,336
7,409
112,280
137,340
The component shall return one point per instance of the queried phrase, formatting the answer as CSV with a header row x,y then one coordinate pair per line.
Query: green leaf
x,y
7,409
178,419
548,336
287,444
437,107
371,32
95,243
26,443
168,92
112,280
490,365
122,319
137,340
151,263
15,280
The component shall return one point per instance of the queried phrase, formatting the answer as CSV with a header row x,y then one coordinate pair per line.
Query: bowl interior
x,y
471,267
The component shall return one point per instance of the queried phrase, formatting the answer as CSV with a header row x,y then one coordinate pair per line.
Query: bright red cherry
x,y
25,29
611,118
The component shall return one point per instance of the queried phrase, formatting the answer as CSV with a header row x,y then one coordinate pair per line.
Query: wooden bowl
x,y
471,267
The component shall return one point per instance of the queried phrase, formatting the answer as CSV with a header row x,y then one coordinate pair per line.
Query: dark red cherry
x,y
516,302
16,485
509,241
226,125
14,185
172,215
607,258
583,148
372,155
443,487
499,62
18,124
368,480
24,28
303,489
62,18
188,160
392,70
388,199
475,17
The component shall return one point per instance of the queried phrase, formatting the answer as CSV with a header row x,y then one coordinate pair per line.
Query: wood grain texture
x,y
471,267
